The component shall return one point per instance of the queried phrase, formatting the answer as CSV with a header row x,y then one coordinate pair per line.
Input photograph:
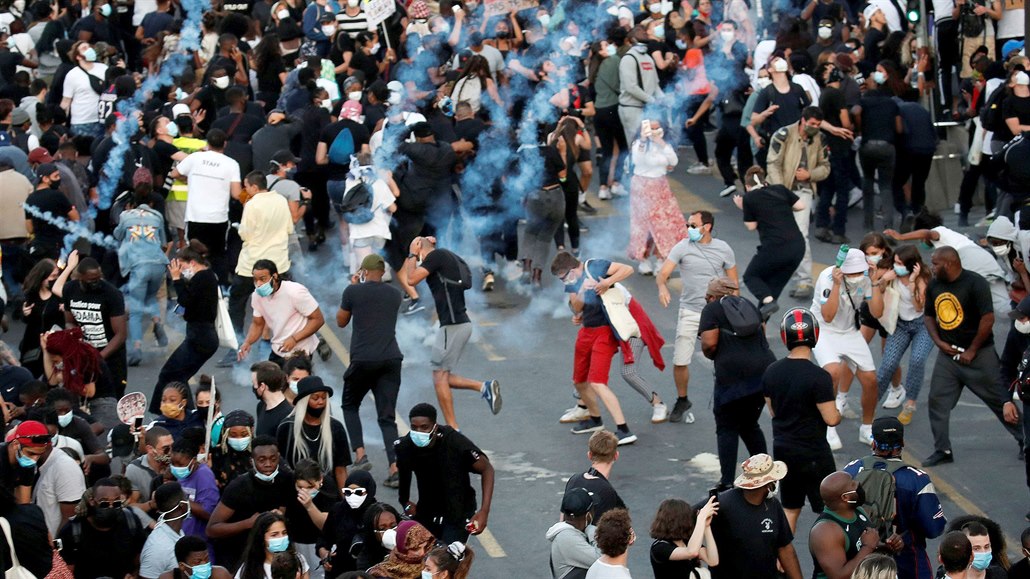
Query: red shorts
x,y
595,348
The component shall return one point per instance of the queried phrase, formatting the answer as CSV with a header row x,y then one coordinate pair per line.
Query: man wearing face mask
x,y
573,545
878,119
59,484
152,465
841,536
779,104
263,489
281,170
442,459
751,518
983,555
173,507
638,83
106,542
826,40
47,239
287,309
960,319
81,90
97,307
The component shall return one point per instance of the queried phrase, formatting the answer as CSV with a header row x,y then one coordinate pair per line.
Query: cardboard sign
x,y
379,10
500,7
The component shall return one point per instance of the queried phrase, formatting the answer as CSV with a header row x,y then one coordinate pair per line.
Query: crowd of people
x,y
143,178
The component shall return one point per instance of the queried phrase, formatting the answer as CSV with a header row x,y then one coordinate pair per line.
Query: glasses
x,y
358,492
565,276
110,504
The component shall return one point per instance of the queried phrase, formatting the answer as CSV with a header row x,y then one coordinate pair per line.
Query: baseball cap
x,y
721,286
760,470
888,430
854,262
179,110
32,433
40,155
1010,47
577,502
46,169
284,156
1022,310
122,440
19,117
373,262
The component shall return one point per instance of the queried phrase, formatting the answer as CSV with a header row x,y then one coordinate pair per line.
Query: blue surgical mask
x,y
180,95
239,444
681,44
659,32
278,544
421,439
427,574
901,271
180,472
26,462
105,10
90,55
264,290
266,477
879,77
982,561
925,245
694,234
63,420
173,130
200,571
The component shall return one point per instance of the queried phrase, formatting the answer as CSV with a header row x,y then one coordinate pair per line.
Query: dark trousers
x,y
404,228
213,235
735,421
917,167
200,344
732,136
317,219
696,132
834,192
770,269
610,132
1026,436
949,54
498,235
383,380
446,531
877,159
119,366
570,188
239,294
946,384
13,254
971,178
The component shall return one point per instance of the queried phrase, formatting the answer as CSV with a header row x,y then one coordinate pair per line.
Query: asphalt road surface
x,y
526,343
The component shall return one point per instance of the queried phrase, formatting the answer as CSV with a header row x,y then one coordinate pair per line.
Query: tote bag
x,y
223,325
16,571
615,303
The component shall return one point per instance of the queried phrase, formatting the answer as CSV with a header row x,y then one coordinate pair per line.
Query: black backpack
x,y
992,117
356,205
1014,173
464,280
743,316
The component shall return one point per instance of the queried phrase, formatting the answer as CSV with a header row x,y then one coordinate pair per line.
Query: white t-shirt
x,y
942,9
209,178
410,119
1011,23
85,101
60,481
844,320
602,570
973,257
141,9
268,568
382,198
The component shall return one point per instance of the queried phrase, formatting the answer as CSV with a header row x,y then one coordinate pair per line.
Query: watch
x,y
411,255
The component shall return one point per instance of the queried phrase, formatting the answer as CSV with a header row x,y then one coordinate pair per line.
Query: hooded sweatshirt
x,y
571,548
344,523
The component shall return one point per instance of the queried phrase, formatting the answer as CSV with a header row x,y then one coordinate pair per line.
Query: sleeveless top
x,y
852,535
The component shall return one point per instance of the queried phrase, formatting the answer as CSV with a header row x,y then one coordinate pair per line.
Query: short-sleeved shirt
x,y
957,307
285,313
60,481
758,530
791,104
53,202
210,175
85,101
158,554
771,207
698,264
360,135
373,307
879,112
268,421
794,388
593,309
247,496
1016,107
664,567
442,470
449,297
832,102
93,310
740,361
97,553
603,493
852,295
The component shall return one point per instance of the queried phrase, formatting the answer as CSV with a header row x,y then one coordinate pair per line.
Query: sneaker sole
x,y
414,311
587,430
564,420
628,440
495,397
366,466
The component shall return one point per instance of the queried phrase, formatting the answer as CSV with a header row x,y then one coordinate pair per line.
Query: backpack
x,y
992,117
356,205
743,316
75,525
342,147
1021,385
881,503
464,280
1014,173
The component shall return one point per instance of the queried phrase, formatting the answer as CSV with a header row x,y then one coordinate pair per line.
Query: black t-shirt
x,y
1021,570
373,307
772,208
663,567
246,496
604,495
48,201
30,540
791,104
760,531
879,114
311,434
102,553
359,134
794,388
268,420
298,522
9,61
244,129
957,307
80,430
831,101
740,361
593,309
442,469
12,475
469,130
365,63
93,310
873,38
449,297
268,76
1016,107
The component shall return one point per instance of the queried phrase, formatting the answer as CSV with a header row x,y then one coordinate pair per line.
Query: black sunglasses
x,y
36,439
110,504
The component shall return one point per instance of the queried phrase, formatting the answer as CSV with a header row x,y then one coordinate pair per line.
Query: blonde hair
x,y
876,566
325,436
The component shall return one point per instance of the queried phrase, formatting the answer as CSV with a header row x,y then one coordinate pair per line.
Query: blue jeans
x,y
141,291
95,130
907,333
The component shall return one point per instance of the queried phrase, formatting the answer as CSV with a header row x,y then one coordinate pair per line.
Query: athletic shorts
x,y
450,343
803,479
686,337
175,213
595,348
834,347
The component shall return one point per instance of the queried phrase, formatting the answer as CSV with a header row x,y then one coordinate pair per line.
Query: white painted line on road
x,y
490,544
491,354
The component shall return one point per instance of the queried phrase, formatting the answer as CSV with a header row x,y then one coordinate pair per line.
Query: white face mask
x,y
327,105
873,259
825,33
283,14
390,539
221,82
1023,327
328,30
655,8
763,82
376,47
779,65
352,3
293,386
1001,250
354,501
354,96
611,50
727,35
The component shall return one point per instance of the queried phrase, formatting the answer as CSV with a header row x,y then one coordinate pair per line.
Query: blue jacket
x,y
141,232
920,516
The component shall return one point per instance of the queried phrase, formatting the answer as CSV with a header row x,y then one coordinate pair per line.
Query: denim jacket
x,y
141,232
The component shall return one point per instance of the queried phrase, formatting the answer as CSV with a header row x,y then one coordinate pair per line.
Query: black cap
x,y
283,156
888,431
309,385
46,170
577,502
122,440
1022,310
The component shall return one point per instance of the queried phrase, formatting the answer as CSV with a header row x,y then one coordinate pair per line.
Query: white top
x,y
141,9
1011,23
60,481
942,9
285,312
974,258
906,307
158,555
268,568
209,178
410,119
85,101
469,89
602,570
808,83
844,320
650,160
382,198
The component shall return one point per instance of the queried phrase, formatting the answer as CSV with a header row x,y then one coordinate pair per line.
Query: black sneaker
x,y
492,394
679,409
160,335
393,481
414,306
939,457
823,234
362,464
587,426
323,349
587,208
625,437
228,360
768,309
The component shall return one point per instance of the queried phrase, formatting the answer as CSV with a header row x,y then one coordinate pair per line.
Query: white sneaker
x,y
958,209
699,169
728,190
618,190
865,434
645,267
895,396
513,270
574,414
845,409
659,413
833,439
604,193
855,197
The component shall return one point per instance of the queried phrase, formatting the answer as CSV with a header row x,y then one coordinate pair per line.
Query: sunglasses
x,y
38,439
110,504
358,491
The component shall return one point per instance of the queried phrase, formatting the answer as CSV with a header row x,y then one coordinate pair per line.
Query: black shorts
x,y
866,318
804,475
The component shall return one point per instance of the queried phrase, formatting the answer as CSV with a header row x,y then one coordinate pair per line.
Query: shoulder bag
x,y
223,325
16,571
615,303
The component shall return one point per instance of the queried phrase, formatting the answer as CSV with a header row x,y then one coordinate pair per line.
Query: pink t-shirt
x,y
285,312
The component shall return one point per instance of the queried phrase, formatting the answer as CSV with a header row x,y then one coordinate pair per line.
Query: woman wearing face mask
x,y
656,221
198,482
194,562
507,35
316,497
344,523
41,309
660,44
314,15
365,57
197,289
177,409
267,538
311,432
451,562
232,455
405,561
377,535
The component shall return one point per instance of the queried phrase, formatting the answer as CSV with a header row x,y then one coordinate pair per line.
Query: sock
x,y
622,427
595,419
581,406
681,399
767,300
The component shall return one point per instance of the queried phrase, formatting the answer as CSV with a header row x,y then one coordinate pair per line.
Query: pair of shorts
x,y
595,348
175,213
865,317
803,479
450,343
835,347
686,337
375,242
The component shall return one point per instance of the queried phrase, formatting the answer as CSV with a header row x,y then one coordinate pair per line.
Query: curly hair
x,y
614,531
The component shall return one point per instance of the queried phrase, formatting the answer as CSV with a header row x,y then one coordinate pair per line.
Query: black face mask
x,y
504,34
55,183
256,395
315,412
106,517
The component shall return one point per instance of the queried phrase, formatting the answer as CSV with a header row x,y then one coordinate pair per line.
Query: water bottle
x,y
842,253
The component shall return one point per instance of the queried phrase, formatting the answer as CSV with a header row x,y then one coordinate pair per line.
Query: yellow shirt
x,y
265,230
187,145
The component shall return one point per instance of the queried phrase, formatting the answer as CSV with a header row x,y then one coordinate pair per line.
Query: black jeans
x,y
383,380
771,267
971,178
239,294
877,159
610,132
834,192
200,344
404,228
732,136
317,218
917,167
213,235
734,421
696,132
571,190
949,54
